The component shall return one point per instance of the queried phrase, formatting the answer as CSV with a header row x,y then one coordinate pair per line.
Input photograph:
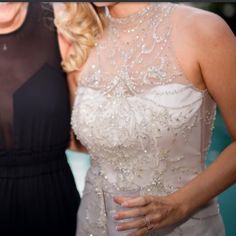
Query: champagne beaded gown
x,y
142,121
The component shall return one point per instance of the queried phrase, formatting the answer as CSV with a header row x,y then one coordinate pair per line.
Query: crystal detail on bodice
x,y
140,118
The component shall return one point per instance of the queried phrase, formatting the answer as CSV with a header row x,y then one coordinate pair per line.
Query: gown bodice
x,y
140,118
142,121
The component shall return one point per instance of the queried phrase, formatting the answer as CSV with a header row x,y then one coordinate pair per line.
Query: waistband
x,y
14,164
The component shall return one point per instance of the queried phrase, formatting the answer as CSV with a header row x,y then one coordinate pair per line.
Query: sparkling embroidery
x,y
142,121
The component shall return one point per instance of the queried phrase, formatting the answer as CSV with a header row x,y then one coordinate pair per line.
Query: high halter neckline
x,y
134,18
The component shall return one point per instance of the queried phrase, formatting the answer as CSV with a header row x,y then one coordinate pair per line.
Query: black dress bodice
x,y
34,105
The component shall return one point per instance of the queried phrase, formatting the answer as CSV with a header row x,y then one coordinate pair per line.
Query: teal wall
x,y
80,162
227,199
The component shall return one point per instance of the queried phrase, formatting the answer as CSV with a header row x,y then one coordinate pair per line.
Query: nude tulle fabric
x,y
142,121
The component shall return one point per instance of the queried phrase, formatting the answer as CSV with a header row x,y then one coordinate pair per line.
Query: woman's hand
x,y
149,213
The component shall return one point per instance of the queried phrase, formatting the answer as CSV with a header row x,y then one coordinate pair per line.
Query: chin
x,y
104,4
8,11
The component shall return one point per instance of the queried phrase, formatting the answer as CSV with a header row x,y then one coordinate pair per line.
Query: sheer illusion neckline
x,y
132,18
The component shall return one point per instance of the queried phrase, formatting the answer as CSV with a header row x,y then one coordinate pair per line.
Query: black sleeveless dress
x,y
38,195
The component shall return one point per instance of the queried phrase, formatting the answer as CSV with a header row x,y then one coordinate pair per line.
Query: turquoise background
x,y
227,199
80,162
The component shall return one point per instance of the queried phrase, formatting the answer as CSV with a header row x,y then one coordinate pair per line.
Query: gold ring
x,y
148,223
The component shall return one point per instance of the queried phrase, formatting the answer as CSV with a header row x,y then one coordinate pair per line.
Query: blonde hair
x,y
82,25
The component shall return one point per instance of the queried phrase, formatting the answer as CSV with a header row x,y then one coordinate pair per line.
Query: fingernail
x,y
115,216
125,204
118,227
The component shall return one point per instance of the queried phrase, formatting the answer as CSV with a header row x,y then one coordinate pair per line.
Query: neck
x,y
14,23
125,9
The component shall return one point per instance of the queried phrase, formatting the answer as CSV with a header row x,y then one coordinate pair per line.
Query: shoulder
x,y
204,27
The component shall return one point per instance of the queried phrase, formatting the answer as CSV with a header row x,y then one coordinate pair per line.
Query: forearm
x,y
75,144
214,180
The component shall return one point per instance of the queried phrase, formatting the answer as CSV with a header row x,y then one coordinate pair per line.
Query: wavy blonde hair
x,y
82,25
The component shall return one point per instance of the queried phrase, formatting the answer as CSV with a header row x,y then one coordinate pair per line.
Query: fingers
x,y
136,202
134,224
120,199
142,222
156,218
146,213
133,213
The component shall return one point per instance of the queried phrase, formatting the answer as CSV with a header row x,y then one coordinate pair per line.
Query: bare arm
x,y
214,47
217,60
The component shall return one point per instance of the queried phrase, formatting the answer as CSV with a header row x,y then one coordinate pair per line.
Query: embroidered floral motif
x,y
140,118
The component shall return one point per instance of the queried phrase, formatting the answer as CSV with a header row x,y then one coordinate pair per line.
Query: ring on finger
x,y
148,223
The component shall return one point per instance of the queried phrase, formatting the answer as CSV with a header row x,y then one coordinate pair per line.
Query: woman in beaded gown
x,y
145,107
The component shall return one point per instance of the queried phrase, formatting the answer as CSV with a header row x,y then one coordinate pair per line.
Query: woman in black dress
x,y
38,195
